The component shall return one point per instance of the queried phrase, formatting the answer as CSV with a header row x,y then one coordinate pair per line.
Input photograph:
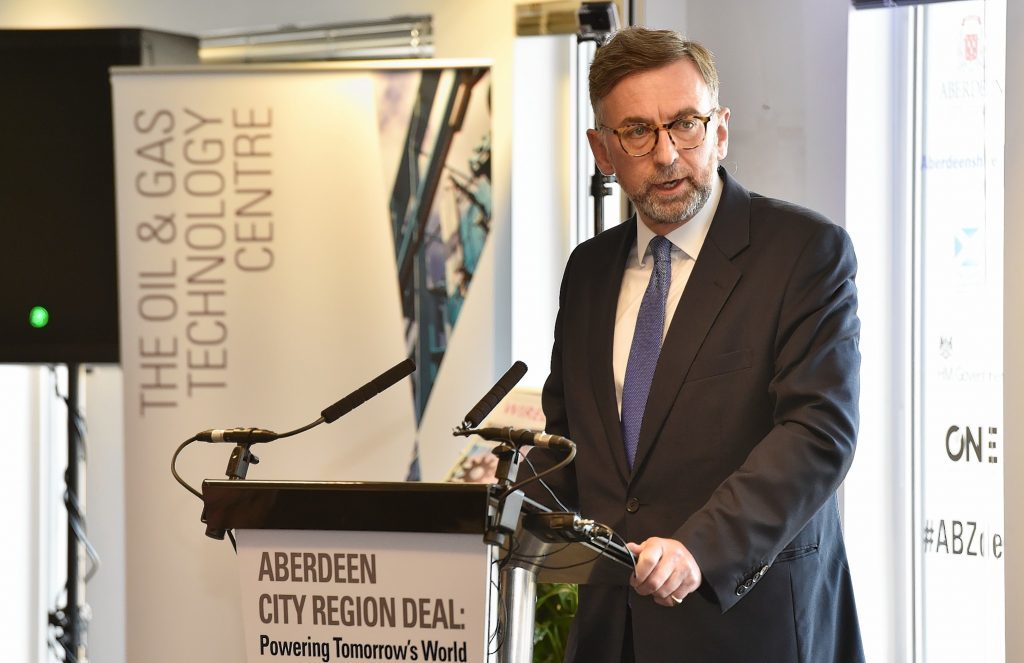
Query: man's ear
x,y
599,147
722,133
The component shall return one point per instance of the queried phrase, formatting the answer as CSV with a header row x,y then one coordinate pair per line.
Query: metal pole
x,y
518,595
599,190
74,635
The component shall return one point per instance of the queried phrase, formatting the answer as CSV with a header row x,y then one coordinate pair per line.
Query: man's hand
x,y
665,570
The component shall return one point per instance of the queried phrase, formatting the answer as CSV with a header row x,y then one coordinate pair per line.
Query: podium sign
x,y
363,571
364,595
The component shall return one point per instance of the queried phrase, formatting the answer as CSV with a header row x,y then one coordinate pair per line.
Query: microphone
x,y
522,437
491,398
348,403
245,437
368,390
237,435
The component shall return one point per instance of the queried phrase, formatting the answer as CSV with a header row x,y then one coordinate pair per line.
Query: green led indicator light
x,y
38,317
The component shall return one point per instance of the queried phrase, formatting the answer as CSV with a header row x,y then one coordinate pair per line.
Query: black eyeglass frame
x,y
705,119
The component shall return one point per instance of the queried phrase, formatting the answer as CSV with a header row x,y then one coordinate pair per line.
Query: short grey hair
x,y
635,49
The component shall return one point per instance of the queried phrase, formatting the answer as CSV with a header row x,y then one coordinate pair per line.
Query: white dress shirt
x,y
687,241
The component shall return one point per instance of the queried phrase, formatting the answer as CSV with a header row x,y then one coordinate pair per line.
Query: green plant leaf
x,y
556,608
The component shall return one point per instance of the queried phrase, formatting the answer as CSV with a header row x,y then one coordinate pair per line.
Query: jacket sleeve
x,y
794,470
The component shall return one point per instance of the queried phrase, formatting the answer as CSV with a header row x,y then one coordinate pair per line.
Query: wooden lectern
x,y
382,571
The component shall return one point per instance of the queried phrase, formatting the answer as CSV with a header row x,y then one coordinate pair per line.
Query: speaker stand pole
x,y
70,620
599,190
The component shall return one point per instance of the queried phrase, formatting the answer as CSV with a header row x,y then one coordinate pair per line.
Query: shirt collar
x,y
689,237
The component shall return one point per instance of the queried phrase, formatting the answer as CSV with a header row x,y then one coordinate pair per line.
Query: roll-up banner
x,y
959,390
285,234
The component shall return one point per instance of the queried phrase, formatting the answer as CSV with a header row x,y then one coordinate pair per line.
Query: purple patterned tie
x,y
643,353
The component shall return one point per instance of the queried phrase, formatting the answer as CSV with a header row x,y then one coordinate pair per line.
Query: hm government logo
x,y
945,347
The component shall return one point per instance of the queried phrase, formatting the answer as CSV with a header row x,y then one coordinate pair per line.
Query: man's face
x,y
669,185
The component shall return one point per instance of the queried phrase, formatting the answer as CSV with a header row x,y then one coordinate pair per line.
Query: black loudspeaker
x,y
58,244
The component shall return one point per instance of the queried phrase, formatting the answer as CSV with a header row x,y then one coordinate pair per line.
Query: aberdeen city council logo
x,y
970,38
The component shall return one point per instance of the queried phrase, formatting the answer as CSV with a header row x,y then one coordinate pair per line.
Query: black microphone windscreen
x,y
504,384
368,390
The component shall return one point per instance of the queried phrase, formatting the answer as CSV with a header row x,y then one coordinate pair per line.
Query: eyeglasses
x,y
639,139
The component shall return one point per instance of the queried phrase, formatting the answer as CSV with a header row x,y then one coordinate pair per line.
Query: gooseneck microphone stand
x,y
517,589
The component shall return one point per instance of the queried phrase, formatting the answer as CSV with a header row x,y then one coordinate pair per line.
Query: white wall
x,y
543,197
33,426
19,483
877,517
105,507
1013,331
782,66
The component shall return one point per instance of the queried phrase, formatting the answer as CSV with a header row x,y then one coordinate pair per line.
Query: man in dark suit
x,y
710,384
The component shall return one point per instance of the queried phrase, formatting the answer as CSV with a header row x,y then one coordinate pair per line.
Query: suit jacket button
x,y
633,505
748,584
741,590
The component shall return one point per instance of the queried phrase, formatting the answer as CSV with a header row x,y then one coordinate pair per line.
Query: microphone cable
x,y
533,468
174,470
538,477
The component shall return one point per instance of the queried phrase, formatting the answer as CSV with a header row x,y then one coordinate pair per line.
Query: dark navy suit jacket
x,y
749,430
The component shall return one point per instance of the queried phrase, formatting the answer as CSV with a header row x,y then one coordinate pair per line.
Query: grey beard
x,y
663,214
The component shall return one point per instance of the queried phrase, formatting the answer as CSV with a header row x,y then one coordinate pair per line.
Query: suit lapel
x,y
608,280
712,281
